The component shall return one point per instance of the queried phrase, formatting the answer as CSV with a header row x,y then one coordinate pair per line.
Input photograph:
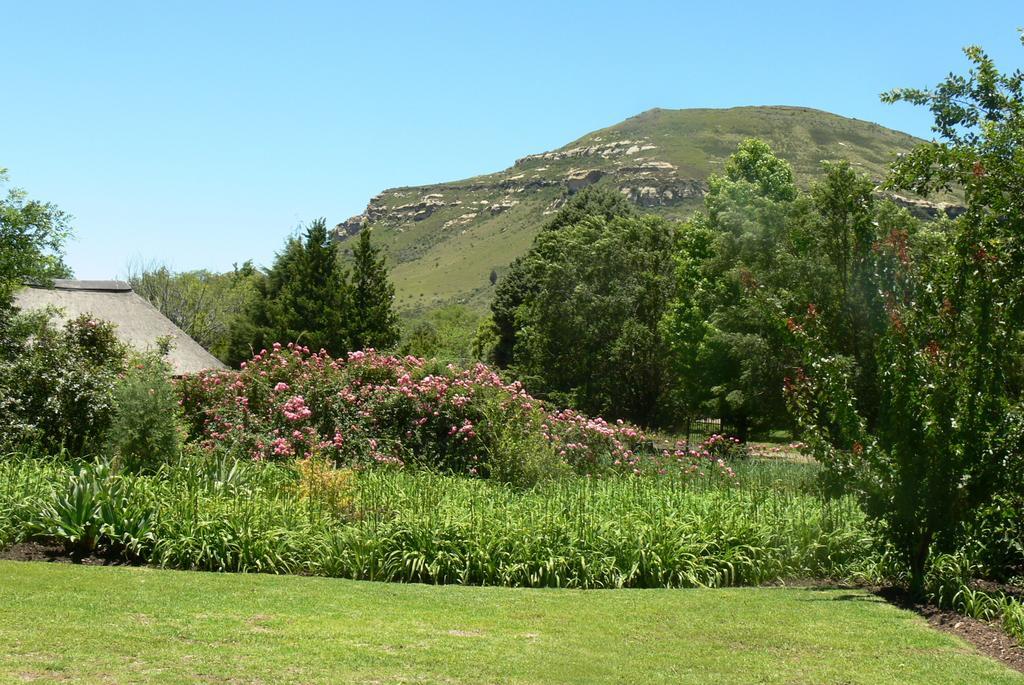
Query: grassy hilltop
x,y
443,240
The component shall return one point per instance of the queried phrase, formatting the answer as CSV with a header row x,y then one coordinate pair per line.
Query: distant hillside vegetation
x,y
444,240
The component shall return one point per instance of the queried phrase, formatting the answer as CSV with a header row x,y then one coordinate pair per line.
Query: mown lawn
x,y
96,624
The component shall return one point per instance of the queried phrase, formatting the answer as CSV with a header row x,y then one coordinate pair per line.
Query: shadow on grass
x,y
851,594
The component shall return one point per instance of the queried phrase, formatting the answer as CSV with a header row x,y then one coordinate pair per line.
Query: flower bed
x,y
372,408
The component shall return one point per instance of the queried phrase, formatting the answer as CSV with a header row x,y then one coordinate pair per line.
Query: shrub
x,y
396,411
417,526
321,484
146,427
56,390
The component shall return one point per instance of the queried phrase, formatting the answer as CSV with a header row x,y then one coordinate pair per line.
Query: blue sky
x,y
202,134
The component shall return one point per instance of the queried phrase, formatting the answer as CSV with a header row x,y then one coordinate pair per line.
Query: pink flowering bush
x,y
372,408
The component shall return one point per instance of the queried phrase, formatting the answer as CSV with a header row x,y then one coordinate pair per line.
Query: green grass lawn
x,y
99,624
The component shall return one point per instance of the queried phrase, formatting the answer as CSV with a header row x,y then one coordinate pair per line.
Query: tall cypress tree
x,y
305,298
373,322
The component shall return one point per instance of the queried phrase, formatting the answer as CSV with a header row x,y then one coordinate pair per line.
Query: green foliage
x,y
372,322
517,453
422,527
577,318
519,284
945,440
201,303
97,510
763,252
304,298
755,163
309,298
588,335
57,389
32,235
446,334
726,339
146,428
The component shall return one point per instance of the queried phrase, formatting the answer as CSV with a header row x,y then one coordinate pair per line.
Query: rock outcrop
x,y
578,179
654,193
923,209
602,149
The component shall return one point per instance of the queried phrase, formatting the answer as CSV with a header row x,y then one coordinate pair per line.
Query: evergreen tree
x,y
519,283
305,298
588,331
374,322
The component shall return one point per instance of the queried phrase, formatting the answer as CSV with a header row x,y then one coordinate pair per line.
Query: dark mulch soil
x,y
988,637
48,551
992,587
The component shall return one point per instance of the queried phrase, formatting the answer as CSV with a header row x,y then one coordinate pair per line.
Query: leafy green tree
x,y
588,334
201,303
685,325
754,162
32,236
727,344
949,421
146,429
761,252
518,284
373,321
305,298
57,392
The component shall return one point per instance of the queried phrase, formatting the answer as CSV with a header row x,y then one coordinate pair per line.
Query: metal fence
x,y
700,428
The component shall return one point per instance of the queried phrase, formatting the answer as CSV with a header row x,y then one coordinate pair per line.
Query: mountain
x,y
444,240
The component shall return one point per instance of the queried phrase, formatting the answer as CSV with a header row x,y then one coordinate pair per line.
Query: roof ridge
x,y
72,284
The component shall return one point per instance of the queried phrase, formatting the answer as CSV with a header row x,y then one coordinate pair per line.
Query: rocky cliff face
x,y
644,179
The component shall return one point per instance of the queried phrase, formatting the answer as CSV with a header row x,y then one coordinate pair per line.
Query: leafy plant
x,y
374,409
97,508
423,527
321,484
57,392
947,433
146,428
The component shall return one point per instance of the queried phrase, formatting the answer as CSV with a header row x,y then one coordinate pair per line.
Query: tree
x,y
754,162
373,322
949,411
32,236
588,331
201,303
518,284
727,346
762,252
305,298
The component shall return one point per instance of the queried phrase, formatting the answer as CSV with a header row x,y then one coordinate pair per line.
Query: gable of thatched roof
x,y
139,324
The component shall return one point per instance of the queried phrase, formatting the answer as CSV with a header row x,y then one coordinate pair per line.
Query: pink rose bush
x,y
372,408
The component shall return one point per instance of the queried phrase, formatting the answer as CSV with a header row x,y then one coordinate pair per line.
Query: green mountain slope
x,y
444,240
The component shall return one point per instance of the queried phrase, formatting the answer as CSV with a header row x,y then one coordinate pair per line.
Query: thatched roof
x,y
139,324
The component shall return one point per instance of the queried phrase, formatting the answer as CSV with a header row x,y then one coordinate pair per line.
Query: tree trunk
x,y
918,564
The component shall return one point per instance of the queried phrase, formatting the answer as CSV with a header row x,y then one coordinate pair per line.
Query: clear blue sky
x,y
202,134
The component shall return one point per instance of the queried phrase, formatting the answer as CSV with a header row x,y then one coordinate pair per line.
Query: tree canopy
x,y
311,298
946,436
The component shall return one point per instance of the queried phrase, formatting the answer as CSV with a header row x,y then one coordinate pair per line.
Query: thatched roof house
x,y
139,324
